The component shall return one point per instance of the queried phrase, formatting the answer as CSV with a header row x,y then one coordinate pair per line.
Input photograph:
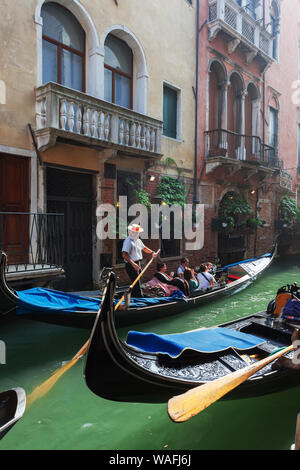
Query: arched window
x,y
275,28
118,70
250,8
63,47
273,123
235,115
252,130
273,130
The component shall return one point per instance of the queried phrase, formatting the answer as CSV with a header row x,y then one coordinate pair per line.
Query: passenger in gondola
x,y
211,267
178,282
189,276
205,278
183,264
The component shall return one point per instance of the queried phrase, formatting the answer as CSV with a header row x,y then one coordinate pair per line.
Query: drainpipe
x,y
196,109
263,78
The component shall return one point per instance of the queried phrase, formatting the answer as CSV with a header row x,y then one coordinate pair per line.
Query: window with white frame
x,y
298,148
275,28
171,111
63,47
299,52
118,72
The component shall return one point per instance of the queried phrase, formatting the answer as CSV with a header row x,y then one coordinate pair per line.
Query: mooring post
x,y
297,435
296,446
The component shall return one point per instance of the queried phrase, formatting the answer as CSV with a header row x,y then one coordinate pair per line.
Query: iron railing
x,y
225,143
32,241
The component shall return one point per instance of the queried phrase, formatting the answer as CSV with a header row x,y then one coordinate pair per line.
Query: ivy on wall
x,y
288,213
171,191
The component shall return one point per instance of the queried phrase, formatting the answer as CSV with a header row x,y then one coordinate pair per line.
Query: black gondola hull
x,y
133,315
115,371
12,407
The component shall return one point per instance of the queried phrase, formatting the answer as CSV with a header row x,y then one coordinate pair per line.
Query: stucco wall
x,y
167,39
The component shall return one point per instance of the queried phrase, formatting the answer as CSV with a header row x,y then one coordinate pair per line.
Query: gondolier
x,y
132,253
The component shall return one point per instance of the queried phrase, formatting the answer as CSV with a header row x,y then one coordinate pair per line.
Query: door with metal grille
x,y
71,193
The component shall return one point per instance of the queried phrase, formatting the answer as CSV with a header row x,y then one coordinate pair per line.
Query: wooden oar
x,y
44,388
185,406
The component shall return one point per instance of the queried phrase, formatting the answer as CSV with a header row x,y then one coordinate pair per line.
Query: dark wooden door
x,y
71,194
14,198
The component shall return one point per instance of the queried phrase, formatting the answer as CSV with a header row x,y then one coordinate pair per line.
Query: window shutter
x,y
170,112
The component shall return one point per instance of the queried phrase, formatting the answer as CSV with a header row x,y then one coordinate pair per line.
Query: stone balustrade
x,y
227,15
75,114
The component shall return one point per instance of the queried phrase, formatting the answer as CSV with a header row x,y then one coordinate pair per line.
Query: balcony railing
x,y
228,16
33,242
73,115
224,143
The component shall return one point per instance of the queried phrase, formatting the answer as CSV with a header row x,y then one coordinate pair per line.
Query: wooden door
x,y
14,207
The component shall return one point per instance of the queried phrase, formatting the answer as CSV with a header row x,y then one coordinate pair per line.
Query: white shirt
x,y
203,282
134,248
180,270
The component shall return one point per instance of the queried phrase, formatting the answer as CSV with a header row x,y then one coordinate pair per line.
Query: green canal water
x,y
70,417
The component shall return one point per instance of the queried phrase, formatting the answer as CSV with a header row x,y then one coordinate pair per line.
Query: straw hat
x,y
135,228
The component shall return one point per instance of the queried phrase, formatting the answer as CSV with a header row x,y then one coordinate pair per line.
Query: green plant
x,y
254,223
172,191
288,212
233,212
142,197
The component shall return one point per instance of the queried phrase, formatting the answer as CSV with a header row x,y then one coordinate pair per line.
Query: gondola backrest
x,y
280,302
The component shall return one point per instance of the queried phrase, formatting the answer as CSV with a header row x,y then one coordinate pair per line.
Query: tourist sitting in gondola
x,y
178,282
183,265
157,288
205,278
189,276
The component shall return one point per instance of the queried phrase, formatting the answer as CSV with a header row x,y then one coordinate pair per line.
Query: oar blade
x,y
185,406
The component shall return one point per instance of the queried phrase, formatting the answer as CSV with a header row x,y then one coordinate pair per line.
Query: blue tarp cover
x,y
44,300
208,340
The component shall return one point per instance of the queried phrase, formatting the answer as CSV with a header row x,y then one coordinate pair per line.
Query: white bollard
x,y
296,445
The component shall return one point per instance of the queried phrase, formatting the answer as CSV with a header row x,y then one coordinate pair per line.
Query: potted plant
x,y
288,214
234,211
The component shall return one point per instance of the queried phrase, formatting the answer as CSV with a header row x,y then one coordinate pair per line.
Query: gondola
x,y
80,311
12,407
151,368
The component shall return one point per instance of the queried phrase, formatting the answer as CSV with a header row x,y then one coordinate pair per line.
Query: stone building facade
x,y
108,89
248,144
107,99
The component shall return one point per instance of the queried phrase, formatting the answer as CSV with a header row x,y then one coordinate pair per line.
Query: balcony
x,y
34,246
71,116
240,29
239,151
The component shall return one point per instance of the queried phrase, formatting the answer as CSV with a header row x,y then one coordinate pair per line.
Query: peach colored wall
x,y
280,78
